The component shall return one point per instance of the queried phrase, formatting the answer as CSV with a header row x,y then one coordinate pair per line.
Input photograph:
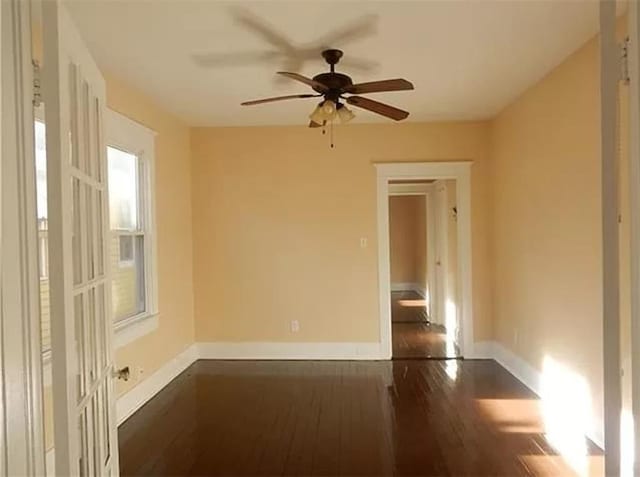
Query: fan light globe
x,y
317,116
329,109
345,114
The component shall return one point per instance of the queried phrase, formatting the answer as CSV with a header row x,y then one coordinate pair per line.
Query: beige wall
x,y
407,239
174,233
278,218
547,223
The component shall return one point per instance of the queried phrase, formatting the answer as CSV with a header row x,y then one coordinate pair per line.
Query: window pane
x,y
41,170
127,266
43,231
123,190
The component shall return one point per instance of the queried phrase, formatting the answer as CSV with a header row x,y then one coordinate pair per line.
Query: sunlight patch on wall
x,y
451,368
627,440
567,413
451,326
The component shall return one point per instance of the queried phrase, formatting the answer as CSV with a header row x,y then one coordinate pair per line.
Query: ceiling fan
x,y
333,87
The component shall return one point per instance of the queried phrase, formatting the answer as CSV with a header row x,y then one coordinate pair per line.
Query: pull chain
x,y
331,134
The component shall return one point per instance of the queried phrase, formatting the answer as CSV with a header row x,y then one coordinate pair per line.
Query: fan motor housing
x,y
333,81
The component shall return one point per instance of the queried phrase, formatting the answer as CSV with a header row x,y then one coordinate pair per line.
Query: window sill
x,y
125,332
130,329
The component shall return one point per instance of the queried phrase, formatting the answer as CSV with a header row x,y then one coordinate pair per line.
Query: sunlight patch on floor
x,y
413,303
556,466
514,415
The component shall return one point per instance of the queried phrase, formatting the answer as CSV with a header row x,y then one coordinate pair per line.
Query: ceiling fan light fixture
x,y
345,114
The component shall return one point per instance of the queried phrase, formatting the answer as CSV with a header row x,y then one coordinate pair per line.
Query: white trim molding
x,y
612,381
634,221
138,396
460,171
292,351
409,189
21,407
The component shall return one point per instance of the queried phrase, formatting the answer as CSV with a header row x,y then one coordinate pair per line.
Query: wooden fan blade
x,y
397,84
313,124
303,79
278,98
379,108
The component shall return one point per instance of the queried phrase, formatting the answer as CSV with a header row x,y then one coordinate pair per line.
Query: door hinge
x,y
37,82
624,60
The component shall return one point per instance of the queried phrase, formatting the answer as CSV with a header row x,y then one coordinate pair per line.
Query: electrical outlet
x,y
363,242
295,326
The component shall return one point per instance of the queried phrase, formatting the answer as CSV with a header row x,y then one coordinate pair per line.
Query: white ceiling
x,y
467,59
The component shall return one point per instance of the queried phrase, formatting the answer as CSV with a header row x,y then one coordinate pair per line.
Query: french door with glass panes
x,y
81,326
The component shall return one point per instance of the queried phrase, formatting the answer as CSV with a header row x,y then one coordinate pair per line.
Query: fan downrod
x,y
332,57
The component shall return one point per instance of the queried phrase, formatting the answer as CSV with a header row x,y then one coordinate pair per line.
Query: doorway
x,y
423,267
436,304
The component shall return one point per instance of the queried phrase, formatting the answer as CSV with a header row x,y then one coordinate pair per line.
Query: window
x,y
132,220
133,266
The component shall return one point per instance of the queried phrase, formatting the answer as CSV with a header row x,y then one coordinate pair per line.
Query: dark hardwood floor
x,y
413,337
330,418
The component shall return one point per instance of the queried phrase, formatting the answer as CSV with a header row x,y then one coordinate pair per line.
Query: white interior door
x,y
82,359
441,248
431,255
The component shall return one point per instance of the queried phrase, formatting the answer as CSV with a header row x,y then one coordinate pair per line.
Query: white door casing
x,y
634,219
461,172
85,436
21,414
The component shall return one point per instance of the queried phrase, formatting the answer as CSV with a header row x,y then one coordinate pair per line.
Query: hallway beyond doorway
x,y
414,337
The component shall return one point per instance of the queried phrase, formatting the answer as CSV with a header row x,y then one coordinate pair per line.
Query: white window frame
x,y
127,135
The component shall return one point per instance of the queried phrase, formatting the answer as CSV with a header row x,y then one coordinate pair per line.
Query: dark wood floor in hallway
x,y
413,336
330,418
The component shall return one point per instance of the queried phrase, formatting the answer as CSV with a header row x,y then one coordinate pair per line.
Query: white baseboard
x,y
135,398
402,286
529,376
275,350
409,286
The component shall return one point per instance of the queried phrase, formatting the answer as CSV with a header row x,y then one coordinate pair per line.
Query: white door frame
x,y
634,219
461,172
426,191
21,413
